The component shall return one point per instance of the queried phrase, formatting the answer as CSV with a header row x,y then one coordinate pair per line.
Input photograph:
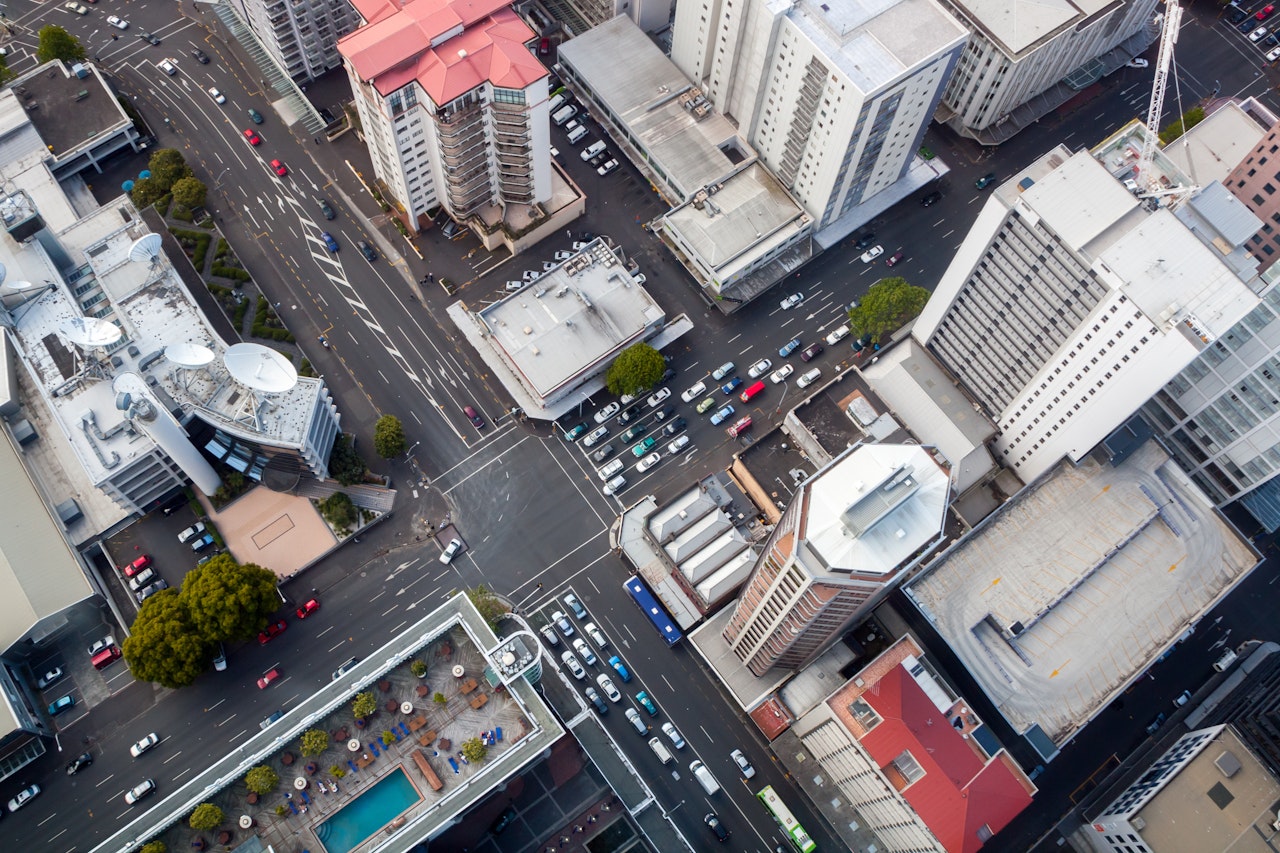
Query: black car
x,y
629,414
603,453
325,209
713,821
1236,16
600,706
600,158
667,374
79,764
931,199
664,413
675,426
812,352
504,820
201,56
1248,26
365,249
866,241
148,38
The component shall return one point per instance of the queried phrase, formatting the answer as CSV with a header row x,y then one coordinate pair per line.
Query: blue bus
x,y
657,615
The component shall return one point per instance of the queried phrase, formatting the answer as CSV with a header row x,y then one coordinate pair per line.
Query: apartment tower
x,y
301,35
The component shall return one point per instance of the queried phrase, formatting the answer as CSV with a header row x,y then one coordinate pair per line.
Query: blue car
x,y
620,668
572,435
731,384
203,542
329,243
722,415
789,347
61,705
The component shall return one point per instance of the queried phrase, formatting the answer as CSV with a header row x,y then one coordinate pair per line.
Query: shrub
x,y
388,738
337,772
418,668
205,817
313,742
439,699
474,750
363,705
154,847
230,272
261,779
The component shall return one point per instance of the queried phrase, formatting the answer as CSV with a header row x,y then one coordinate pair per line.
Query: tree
x,y
363,705
440,699
6,73
388,437
388,738
145,193
490,606
888,304
637,368
474,750
154,847
418,668
229,601
189,192
57,43
262,780
345,465
206,816
167,168
338,510
163,646
1188,120
313,742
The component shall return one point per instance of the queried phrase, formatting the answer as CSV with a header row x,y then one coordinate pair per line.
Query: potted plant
x,y
419,668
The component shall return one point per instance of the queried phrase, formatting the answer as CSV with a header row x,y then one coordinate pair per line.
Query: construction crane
x,y
1168,38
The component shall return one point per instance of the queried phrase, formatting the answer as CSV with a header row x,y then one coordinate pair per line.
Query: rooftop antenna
x,y
188,357
91,336
146,249
263,372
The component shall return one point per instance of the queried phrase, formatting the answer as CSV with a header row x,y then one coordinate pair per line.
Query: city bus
x,y
645,601
794,831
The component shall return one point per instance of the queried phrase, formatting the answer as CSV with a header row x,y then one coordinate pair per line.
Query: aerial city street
x,y
567,426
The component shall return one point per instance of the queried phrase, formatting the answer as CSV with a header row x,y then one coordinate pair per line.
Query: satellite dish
x,y
260,368
145,248
19,286
90,332
188,355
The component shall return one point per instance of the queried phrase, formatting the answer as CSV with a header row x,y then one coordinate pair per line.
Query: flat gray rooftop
x,y
1017,25
1064,596
67,111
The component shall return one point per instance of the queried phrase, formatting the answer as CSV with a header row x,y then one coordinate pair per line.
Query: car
x,y
118,23
931,199
255,140
149,38
643,698
1236,16
606,167
562,622
206,558
1155,724
530,275
808,378
79,763
308,607
101,645
76,7
579,245
139,791
571,601
636,723
760,368
894,259
1265,12
219,98
1273,54
721,416
272,631
614,486
514,286
741,760
732,385
549,634
675,426
606,684
780,375
620,668
791,301
648,462
597,702
668,375
871,254
630,413
267,678
330,244
642,447
837,335
255,116
58,706
633,432
865,241
203,542
450,551
596,436
544,46
694,391
548,266
151,589
194,530
811,352
706,404
1183,698
713,821
279,168
51,677
676,446
473,416
141,579
220,662
593,632
574,433
136,566
326,210
664,413
143,745
1258,34
674,736
658,396
641,278
200,55
603,453
570,660
1137,62
584,651
607,412
723,370
167,66
23,797
600,157
987,180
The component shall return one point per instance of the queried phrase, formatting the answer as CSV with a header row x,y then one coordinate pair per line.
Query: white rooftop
x,y
1020,24
1210,150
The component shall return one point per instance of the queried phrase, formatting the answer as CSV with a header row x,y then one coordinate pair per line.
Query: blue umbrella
x,y
127,186
145,173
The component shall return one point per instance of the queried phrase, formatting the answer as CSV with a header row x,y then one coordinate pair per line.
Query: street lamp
x,y
785,387
217,182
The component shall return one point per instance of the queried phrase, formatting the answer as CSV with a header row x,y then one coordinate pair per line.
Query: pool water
x,y
368,813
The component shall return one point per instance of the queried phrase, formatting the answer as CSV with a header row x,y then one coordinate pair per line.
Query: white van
x,y
1221,664
611,469
577,135
564,114
704,777
809,378
615,485
587,153
664,754
556,103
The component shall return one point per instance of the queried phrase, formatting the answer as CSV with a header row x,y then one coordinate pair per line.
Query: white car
x,y
513,286
741,760
608,412
658,396
779,375
218,97
615,485
641,278
760,368
562,622
117,23
837,336
530,275
167,66
99,645
694,393
871,254
648,462
791,301
606,684
578,245
563,255
1273,54
1258,35
1137,62
194,530
140,791
670,731
580,646
607,471
677,445
76,7
548,266
571,661
722,371
144,744
451,550
24,796
606,167
595,436
594,633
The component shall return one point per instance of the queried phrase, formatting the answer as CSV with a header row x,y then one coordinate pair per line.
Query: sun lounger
x,y
452,764
292,807
373,747
404,729
498,732
305,798
352,765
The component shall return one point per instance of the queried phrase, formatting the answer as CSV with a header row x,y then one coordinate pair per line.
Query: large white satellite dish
x,y
19,286
260,368
188,355
145,248
90,332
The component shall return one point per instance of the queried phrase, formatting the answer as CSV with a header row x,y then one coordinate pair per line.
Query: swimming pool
x,y
368,813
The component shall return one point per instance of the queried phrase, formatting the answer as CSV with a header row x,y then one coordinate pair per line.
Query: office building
x,y
850,533
648,15
300,35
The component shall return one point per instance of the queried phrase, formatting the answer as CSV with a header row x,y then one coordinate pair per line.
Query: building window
x,y
908,766
508,96
864,714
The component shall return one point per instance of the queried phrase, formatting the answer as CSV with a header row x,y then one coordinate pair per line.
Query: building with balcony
x,y
300,35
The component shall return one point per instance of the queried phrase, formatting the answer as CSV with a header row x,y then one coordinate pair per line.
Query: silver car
x,y
606,684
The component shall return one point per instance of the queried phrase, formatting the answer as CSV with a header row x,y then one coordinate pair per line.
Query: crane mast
x,y
1168,38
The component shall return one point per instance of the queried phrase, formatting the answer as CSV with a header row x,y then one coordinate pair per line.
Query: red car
x,y
273,630
307,609
253,137
268,677
893,259
136,566
544,47
279,168
1265,13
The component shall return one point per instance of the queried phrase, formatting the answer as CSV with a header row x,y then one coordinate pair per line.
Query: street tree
x,y
490,606
154,847
167,167
229,601
262,780
163,646
6,73
314,742
889,303
637,368
345,464
56,43
189,192
145,193
388,437
205,817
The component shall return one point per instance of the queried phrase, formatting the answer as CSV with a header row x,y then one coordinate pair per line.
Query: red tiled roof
x,y
958,793
449,46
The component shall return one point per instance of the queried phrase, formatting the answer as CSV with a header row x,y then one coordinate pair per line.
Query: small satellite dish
x,y
260,368
188,355
145,248
90,332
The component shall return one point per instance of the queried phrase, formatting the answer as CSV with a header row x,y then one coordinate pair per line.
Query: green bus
x,y
795,832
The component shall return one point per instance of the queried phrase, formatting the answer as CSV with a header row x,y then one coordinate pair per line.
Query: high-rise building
x,y
1073,300
648,15
453,105
834,97
301,35
850,533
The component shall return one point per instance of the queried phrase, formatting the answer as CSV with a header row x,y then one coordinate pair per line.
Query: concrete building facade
x,y
303,36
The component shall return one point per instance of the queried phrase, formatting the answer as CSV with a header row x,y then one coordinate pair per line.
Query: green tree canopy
x,y
889,303
145,192
314,742
6,73
189,192
57,43
262,780
227,600
154,847
205,817
163,646
345,465
637,368
474,750
167,168
388,437
363,705
489,605
338,510
1188,120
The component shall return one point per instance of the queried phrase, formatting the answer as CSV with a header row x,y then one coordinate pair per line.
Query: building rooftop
x,y
1210,150
1019,25
66,112
1037,601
